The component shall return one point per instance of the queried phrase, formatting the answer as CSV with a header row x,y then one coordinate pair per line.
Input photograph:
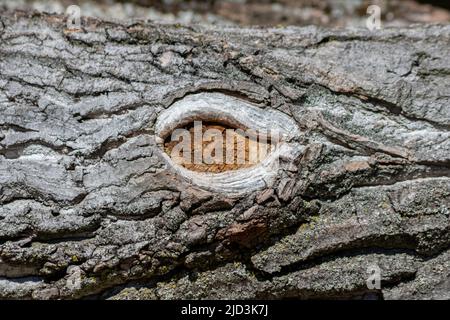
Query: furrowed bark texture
x,y
88,208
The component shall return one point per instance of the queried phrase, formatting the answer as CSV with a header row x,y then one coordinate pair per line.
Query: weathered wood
x,y
330,13
89,207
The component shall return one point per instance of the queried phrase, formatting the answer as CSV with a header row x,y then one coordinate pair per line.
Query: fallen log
x,y
91,206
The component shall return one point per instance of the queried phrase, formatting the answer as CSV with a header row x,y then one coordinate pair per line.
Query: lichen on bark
x,y
88,207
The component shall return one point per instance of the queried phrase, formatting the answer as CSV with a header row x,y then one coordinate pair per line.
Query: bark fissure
x,y
90,207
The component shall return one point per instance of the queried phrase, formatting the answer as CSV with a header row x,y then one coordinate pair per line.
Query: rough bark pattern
x,y
87,207
331,13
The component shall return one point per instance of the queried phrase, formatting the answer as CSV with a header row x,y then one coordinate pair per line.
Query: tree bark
x,y
327,13
88,207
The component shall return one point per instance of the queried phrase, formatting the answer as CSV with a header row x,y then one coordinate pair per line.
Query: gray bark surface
x,y
89,209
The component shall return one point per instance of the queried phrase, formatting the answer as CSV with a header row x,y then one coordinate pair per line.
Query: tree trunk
x,y
90,207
